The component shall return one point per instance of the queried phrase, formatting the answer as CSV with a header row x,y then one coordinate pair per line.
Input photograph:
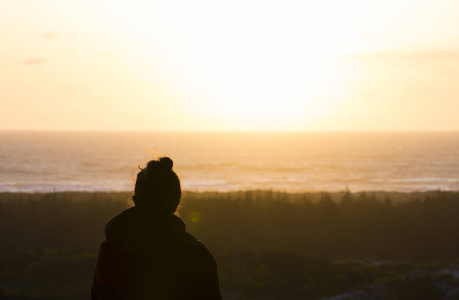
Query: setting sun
x,y
269,67
214,65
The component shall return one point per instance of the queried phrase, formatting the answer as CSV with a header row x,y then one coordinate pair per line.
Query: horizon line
x,y
237,130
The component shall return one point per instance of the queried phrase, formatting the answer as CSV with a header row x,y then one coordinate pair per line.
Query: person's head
x,y
157,187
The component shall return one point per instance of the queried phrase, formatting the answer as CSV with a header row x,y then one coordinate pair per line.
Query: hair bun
x,y
166,163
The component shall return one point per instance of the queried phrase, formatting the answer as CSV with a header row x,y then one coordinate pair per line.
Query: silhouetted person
x,y
147,253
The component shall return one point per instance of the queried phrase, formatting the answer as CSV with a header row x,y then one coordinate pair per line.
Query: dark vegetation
x,y
268,245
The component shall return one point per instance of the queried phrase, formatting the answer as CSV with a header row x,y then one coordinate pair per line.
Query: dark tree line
x,y
323,225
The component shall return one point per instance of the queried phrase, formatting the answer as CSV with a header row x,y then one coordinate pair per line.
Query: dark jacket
x,y
149,256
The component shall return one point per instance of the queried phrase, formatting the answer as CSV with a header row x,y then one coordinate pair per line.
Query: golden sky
x,y
229,65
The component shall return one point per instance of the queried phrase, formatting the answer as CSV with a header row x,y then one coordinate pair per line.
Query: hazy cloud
x,y
54,35
51,35
69,51
415,55
33,61
366,36
69,88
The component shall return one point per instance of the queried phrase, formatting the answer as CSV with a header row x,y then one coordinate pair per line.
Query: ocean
x,y
227,161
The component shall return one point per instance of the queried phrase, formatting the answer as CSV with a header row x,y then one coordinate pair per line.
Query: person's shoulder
x,y
107,248
198,247
193,242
